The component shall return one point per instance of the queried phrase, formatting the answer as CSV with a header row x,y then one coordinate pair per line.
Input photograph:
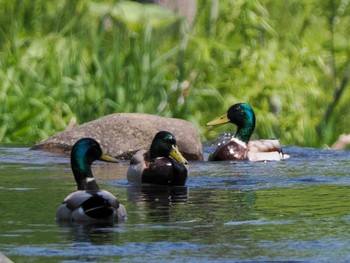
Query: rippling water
x,y
296,209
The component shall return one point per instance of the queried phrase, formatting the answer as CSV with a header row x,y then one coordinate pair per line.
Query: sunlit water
x,y
296,209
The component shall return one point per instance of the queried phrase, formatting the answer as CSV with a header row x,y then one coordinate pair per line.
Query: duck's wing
x,y
136,167
75,199
272,145
71,203
99,207
112,200
265,150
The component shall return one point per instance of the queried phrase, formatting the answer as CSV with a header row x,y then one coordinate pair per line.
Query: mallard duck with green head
x,y
162,164
238,146
89,203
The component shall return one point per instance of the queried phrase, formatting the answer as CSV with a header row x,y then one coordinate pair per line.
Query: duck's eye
x,y
170,140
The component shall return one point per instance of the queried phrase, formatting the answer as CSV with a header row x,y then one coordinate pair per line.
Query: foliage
x,y
88,59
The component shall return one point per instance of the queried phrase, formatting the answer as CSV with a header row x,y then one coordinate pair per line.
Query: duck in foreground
x,y
239,146
163,164
89,203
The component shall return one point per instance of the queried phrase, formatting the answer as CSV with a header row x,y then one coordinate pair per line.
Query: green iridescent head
x,y
242,115
164,145
84,152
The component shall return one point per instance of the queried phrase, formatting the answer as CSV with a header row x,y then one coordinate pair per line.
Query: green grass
x,y
89,59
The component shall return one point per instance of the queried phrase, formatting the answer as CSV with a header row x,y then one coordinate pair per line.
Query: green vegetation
x,y
288,59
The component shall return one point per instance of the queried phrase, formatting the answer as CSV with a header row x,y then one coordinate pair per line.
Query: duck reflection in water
x,y
98,233
157,201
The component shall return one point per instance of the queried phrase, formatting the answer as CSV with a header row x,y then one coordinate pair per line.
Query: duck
x,y
238,146
89,203
162,164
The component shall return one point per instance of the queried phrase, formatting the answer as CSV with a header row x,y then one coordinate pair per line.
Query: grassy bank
x,y
87,59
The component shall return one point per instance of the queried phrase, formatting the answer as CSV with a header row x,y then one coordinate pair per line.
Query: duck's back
x,y
265,150
86,206
267,145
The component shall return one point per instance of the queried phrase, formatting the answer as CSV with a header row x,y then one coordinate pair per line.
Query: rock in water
x,y
122,134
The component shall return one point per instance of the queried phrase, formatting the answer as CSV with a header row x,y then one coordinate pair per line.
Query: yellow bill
x,y
221,120
107,158
175,153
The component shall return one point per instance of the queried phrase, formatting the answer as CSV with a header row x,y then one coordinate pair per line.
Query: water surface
x,y
296,209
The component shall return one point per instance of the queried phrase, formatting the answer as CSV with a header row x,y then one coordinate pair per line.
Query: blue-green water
x,y
296,209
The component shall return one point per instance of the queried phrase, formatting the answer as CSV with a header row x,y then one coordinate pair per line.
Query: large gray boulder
x,y
122,134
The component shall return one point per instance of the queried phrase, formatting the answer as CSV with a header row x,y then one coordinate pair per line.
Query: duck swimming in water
x,y
238,146
163,164
89,203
